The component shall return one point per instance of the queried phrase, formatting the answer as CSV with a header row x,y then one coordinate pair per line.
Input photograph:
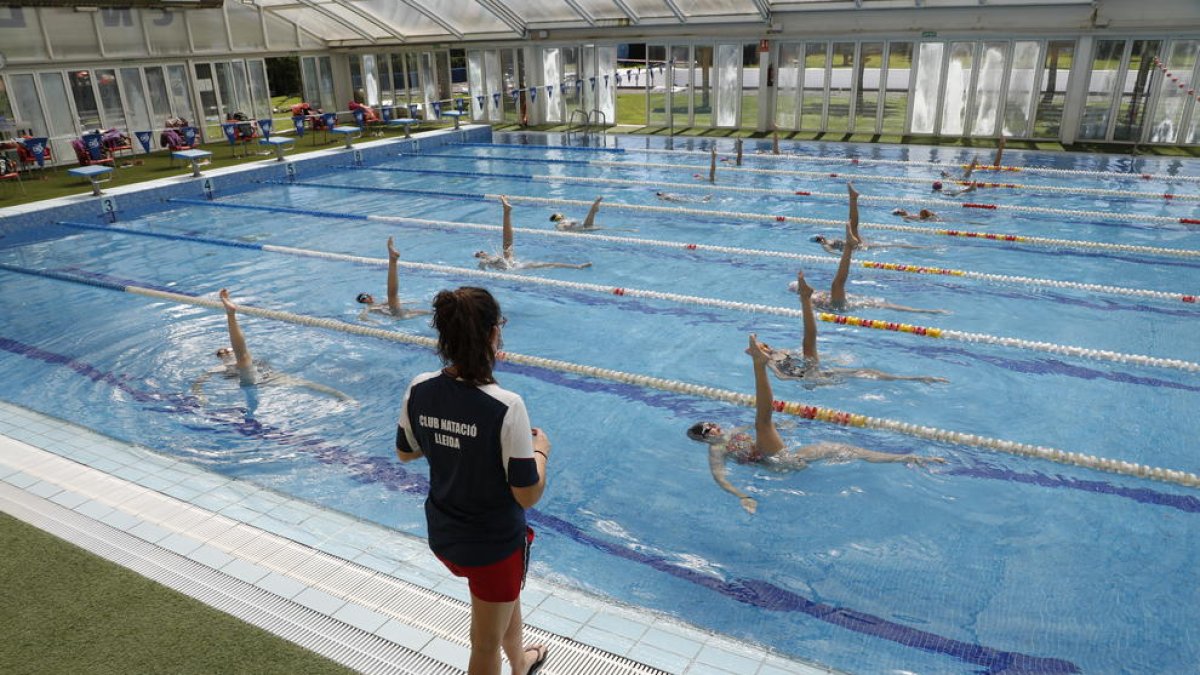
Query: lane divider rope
x,y
735,215
936,165
711,248
1041,210
858,177
794,408
754,308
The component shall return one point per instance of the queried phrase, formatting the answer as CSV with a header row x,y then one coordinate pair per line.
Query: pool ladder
x,y
596,117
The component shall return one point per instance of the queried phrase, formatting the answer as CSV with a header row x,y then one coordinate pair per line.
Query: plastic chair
x,y
117,145
97,152
8,171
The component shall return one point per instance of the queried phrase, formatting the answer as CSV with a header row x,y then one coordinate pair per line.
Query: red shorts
x,y
500,581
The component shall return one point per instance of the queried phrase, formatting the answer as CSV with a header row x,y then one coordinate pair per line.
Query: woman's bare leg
x,y
999,152
236,339
490,623
712,164
508,229
590,221
775,143
739,151
853,195
810,322
393,281
766,436
837,289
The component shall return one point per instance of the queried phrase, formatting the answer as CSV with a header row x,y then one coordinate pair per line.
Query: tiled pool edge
x,y
632,634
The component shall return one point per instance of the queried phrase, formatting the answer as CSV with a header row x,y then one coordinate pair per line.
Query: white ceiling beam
x,y
764,9
583,13
676,11
506,15
627,10
380,23
434,18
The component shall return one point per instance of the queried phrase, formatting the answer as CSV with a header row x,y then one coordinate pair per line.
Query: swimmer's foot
x,y
226,302
535,658
851,191
757,351
393,254
504,203
802,286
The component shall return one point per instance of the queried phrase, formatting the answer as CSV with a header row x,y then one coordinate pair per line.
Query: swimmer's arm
x,y
198,386
716,464
315,386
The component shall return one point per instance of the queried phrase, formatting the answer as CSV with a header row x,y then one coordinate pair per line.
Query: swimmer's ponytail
x,y
464,319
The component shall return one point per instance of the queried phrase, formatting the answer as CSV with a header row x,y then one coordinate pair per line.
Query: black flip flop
x,y
534,667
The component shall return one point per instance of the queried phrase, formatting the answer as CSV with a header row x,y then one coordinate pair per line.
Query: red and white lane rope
x,y
889,201
936,165
913,229
1101,192
798,409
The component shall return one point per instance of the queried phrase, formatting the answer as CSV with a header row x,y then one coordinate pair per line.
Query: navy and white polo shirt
x,y
478,443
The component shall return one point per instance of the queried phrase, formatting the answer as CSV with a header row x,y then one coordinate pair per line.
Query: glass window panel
x,y
110,98
812,101
167,30
364,79
281,34
72,34
429,92
29,107
383,65
458,76
210,109
787,85
1173,98
866,97
631,93
442,78
1057,70
308,72
753,68
208,30
841,77
550,105
587,56
413,78
325,96
988,84
895,96
245,27
925,95
958,82
656,84
475,78
182,103
1102,86
572,97
137,109
86,107
606,68
512,80
260,93
21,34
160,99
57,105
5,102
679,77
495,82
702,86
729,86
121,31
1021,89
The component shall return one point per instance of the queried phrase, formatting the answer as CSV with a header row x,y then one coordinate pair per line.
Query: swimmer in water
x,y
237,362
922,216
563,224
392,306
966,178
766,447
672,197
838,246
506,260
787,366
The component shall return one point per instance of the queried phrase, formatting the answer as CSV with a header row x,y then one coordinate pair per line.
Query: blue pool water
x,y
989,563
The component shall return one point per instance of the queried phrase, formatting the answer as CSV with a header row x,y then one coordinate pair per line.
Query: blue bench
x,y
193,156
347,133
95,173
280,143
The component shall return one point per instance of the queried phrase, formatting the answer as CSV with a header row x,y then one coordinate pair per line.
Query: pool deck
x,y
361,594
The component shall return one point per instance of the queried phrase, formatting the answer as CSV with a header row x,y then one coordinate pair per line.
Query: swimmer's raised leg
x,y
853,196
712,165
999,152
393,280
590,222
810,321
767,438
775,143
837,289
738,143
245,362
507,246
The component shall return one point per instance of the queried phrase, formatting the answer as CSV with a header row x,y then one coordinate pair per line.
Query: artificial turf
x,y
64,610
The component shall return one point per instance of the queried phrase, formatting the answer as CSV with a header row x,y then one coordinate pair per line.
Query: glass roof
x,y
399,21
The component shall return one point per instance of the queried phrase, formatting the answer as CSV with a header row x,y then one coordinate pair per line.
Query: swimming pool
x,y
992,561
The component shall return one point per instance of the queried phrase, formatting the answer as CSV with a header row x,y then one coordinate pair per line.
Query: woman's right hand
x,y
541,442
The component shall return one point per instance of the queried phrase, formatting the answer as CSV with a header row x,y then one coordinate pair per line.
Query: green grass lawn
x,y
68,611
